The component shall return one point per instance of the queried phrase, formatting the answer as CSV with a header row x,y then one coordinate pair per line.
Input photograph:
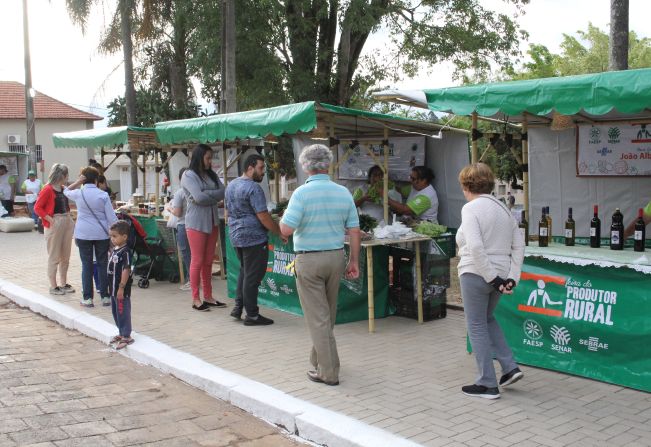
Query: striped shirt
x,y
319,212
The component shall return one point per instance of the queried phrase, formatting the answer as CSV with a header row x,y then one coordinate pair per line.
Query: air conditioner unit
x,y
13,139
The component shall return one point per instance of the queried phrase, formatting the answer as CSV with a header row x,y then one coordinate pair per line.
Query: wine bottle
x,y
543,230
524,228
549,223
595,229
640,231
617,231
570,230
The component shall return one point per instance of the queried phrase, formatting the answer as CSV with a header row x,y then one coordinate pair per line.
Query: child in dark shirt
x,y
119,278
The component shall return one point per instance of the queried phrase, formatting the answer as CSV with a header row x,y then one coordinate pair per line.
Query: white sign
x,y
614,150
404,154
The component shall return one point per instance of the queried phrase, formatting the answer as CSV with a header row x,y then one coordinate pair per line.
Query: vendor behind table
x,y
422,202
368,197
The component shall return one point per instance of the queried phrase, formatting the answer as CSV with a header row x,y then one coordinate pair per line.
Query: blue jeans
x,y
184,248
32,214
86,248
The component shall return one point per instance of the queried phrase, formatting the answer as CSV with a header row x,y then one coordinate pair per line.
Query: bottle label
x,y
638,235
543,231
614,237
593,231
569,233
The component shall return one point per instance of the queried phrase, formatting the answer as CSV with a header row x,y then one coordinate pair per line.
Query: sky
x,y
67,66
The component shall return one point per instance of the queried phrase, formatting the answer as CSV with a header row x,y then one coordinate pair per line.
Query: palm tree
x,y
79,11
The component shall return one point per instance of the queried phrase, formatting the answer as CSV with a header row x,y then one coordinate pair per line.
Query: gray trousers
x,y
486,336
317,280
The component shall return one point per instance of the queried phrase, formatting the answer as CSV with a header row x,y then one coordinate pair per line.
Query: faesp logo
x,y
595,134
533,332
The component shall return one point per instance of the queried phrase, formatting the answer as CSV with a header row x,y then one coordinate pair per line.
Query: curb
x,y
298,417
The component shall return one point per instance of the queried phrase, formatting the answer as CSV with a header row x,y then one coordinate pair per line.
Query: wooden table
x,y
413,239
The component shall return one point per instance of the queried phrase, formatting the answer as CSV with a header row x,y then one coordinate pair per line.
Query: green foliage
x,y
587,52
367,223
152,107
430,229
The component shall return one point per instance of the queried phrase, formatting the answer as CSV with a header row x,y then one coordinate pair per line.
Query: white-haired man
x,y
318,215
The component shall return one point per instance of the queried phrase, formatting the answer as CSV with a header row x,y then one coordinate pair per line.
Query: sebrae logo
x,y
593,344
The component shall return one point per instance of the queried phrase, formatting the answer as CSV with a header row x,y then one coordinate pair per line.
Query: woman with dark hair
x,y
53,209
368,197
422,203
203,192
94,217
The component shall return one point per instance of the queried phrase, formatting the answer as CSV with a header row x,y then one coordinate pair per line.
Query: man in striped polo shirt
x,y
318,215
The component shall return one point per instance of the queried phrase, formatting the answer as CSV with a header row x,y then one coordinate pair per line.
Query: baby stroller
x,y
149,254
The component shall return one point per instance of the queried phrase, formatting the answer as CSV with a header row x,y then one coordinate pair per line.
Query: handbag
x,y
93,213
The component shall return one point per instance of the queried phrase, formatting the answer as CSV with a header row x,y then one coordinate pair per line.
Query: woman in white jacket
x,y
491,250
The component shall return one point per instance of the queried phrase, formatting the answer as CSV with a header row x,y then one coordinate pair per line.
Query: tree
x,y
587,52
314,49
618,56
79,11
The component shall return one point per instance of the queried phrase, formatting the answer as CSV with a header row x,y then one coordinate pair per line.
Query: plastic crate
x,y
435,270
406,303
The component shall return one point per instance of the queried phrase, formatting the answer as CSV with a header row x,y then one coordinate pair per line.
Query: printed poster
x,y
404,154
614,150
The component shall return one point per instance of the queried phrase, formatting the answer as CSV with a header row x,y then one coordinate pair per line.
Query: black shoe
x,y
236,313
258,321
511,377
314,377
215,304
481,391
201,308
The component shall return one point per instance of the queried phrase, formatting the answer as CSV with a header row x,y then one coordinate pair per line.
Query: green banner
x,y
583,320
278,288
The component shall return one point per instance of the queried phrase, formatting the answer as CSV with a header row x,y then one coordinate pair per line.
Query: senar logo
x,y
562,338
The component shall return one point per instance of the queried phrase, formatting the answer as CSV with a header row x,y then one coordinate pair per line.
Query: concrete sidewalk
x,y
404,379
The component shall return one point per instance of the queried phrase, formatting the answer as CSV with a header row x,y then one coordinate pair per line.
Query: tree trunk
x,y
126,7
229,104
178,69
618,59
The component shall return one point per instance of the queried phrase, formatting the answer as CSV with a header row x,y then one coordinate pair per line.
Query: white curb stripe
x,y
304,419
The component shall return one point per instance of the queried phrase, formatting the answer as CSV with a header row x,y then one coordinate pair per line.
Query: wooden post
x,y
276,175
419,283
331,134
144,175
371,291
157,196
224,165
473,147
178,257
525,166
385,149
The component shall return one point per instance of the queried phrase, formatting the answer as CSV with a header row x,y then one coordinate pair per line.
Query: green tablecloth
x,y
278,288
582,311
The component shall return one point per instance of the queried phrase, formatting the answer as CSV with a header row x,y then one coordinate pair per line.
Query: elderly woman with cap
x,y
31,187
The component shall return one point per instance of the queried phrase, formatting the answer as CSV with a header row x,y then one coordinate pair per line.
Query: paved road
x,y
60,388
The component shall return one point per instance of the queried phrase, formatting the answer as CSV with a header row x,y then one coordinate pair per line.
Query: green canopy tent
x,y
560,103
130,141
319,120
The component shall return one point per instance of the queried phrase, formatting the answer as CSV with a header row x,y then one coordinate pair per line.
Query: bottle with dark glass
x,y
595,229
543,229
617,231
524,228
570,230
640,231
549,223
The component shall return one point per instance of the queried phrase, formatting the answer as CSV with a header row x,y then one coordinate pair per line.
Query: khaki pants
x,y
58,238
317,280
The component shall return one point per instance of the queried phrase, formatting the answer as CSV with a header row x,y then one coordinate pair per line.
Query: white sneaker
x,y
186,286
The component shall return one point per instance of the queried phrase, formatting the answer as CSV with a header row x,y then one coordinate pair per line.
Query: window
x,y
22,149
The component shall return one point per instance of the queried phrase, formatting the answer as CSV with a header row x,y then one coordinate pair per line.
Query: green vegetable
x,y
280,207
367,223
430,229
